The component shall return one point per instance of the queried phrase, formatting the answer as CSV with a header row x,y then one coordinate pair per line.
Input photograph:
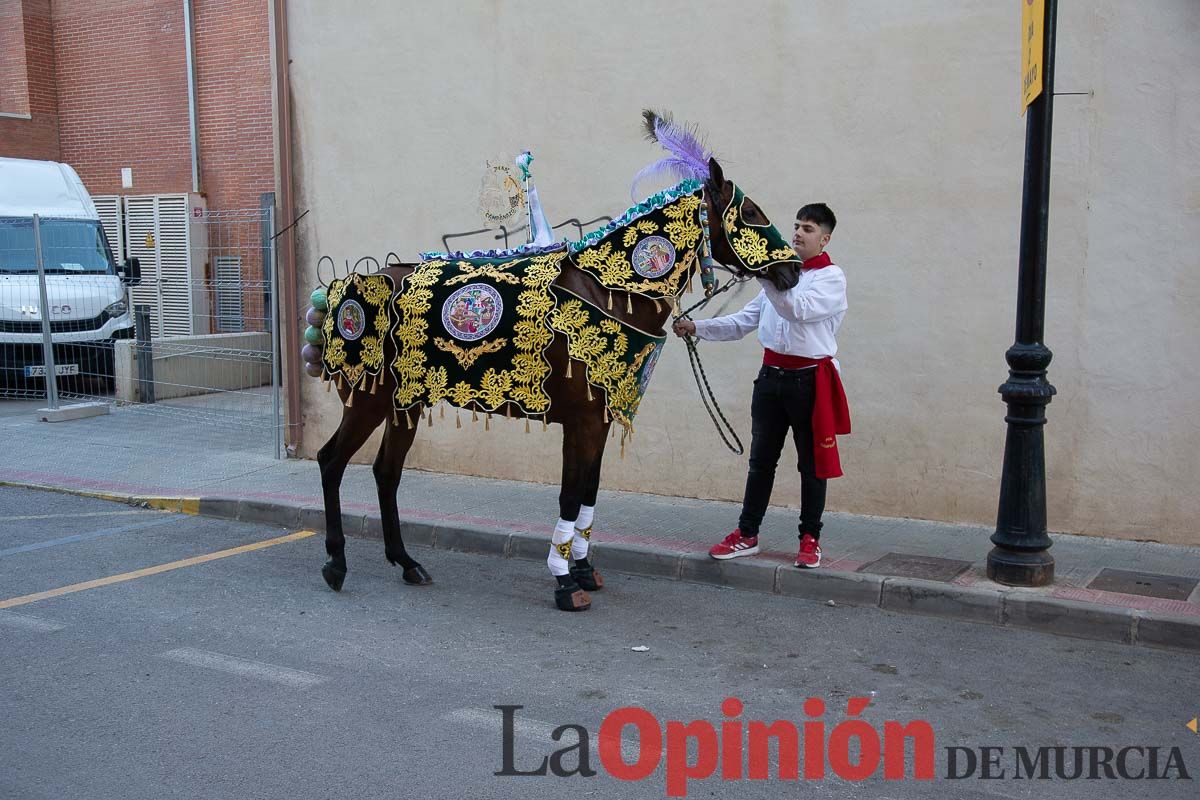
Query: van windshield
x,y
68,246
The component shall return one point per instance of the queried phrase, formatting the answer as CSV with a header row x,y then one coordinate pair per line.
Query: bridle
x,y
708,278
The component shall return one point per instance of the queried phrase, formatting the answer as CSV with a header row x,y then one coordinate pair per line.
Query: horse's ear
x,y
715,173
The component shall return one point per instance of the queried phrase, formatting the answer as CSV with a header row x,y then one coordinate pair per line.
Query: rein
x,y
706,392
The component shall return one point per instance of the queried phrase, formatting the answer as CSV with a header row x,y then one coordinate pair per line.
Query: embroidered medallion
x,y
472,312
653,257
648,369
351,320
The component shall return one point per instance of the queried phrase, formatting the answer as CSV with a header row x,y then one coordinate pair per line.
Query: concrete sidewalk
x,y
1132,592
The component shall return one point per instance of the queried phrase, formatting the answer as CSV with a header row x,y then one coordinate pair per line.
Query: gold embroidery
x,y
641,226
522,383
751,247
564,549
586,533
782,254
612,265
601,348
466,357
469,272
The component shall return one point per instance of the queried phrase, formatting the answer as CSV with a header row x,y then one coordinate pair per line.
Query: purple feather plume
x,y
689,157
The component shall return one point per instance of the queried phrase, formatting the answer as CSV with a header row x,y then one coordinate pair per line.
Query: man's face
x,y
809,239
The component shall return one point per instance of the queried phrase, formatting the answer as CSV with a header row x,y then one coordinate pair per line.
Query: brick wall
x,y
109,90
123,96
14,85
122,92
233,71
38,136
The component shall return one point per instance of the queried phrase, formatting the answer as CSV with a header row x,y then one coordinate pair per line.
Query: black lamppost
x,y
1021,554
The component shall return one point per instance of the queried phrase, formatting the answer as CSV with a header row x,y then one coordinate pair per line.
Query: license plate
x,y
39,370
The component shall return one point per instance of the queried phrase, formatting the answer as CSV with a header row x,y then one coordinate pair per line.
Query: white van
x,y
86,289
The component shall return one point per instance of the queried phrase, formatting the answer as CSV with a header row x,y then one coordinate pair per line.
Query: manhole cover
x,y
927,568
1147,584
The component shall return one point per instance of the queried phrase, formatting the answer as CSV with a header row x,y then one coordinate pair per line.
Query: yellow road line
x,y
142,573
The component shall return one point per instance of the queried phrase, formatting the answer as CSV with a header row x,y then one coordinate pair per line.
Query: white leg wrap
x,y
560,547
584,520
583,532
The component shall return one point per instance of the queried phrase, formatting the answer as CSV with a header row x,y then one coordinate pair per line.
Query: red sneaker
x,y
809,556
735,546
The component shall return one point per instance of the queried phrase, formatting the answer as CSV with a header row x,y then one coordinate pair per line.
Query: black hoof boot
x,y
588,578
333,576
572,598
417,576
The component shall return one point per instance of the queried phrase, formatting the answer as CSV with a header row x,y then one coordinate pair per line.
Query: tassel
x,y
589,391
408,419
689,286
474,416
610,299
430,425
457,419
508,410
622,447
527,424
395,417
629,303
487,422
545,424
606,419
442,410
374,386
657,307
328,384
350,399
339,383
568,366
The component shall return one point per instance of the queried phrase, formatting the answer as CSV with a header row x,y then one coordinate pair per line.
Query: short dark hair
x,y
818,213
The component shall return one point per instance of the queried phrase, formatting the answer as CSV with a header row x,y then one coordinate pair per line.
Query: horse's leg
x,y
389,467
590,449
569,596
355,428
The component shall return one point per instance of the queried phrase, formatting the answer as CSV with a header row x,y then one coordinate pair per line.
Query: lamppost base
x,y
1020,568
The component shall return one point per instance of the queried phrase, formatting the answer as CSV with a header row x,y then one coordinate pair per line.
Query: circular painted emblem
x,y
472,312
653,257
648,369
351,320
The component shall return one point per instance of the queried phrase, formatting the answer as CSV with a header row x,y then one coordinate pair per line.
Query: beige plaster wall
x,y
903,116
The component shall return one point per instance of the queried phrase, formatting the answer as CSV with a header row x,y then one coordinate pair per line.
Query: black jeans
x,y
783,402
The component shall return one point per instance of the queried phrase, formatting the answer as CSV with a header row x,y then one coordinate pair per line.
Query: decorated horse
x,y
564,334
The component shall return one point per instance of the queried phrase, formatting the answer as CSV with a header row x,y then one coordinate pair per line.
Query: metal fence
x,y
195,338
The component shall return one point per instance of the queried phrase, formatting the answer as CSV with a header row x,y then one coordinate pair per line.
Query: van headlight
x,y
117,309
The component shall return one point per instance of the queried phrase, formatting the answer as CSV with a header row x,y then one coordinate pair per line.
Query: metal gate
x,y
191,349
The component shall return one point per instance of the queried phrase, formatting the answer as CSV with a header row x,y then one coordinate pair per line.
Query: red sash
x,y
831,414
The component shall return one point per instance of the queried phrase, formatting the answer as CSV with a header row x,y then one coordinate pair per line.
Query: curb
x,y
1002,606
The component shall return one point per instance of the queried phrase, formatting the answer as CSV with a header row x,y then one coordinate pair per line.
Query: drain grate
x,y
1147,584
927,568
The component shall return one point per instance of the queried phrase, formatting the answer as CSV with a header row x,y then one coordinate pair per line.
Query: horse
x,y
734,233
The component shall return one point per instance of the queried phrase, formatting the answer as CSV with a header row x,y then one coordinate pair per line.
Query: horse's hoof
x,y
572,598
417,576
589,578
333,576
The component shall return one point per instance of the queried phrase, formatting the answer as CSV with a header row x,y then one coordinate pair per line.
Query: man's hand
x,y
684,327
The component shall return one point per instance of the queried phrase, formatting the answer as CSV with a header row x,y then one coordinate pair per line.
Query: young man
x,y
797,391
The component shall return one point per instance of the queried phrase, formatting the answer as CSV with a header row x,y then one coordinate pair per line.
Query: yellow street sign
x,y
1033,16
1194,725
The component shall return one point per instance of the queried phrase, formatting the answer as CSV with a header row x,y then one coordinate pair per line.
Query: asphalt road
x,y
243,676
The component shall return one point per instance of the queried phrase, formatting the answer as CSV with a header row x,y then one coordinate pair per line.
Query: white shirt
x,y
803,321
